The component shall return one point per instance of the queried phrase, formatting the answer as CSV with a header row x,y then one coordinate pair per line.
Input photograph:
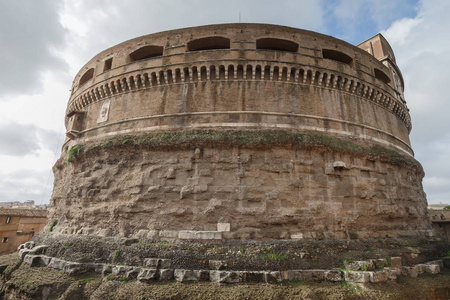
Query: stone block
x,y
27,245
147,275
133,273
200,188
202,275
438,262
225,276
165,274
357,276
107,269
296,235
74,268
392,273
171,234
105,232
419,268
221,227
409,271
378,276
121,270
37,260
199,235
308,275
182,275
217,264
95,267
334,275
142,233
431,268
165,263
152,234
151,263
57,264
359,265
396,262
379,263
254,276
29,259
273,277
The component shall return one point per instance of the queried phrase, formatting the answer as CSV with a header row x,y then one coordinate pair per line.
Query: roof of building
x,y
23,212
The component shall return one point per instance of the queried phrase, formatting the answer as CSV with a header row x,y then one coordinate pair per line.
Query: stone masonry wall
x,y
280,192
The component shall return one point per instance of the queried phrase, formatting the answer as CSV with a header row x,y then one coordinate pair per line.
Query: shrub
x,y
73,152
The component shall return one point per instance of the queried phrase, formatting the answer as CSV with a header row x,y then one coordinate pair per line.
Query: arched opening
x,y
240,72
177,76
249,72
186,75
154,79
292,75
209,43
382,76
231,72
212,73
337,56
194,74
169,77
221,72
267,73
277,45
203,74
161,78
276,73
86,76
146,52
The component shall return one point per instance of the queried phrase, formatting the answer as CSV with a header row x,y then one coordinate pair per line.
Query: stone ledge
x,y
160,269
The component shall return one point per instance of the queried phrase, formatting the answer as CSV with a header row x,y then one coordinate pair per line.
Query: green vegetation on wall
x,y
251,138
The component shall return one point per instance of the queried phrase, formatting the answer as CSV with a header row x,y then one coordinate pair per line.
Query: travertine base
x,y
281,192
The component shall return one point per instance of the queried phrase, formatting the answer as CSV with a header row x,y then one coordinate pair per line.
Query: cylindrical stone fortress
x,y
239,131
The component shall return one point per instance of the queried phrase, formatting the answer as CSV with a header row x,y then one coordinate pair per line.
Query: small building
x,y
18,226
439,206
441,221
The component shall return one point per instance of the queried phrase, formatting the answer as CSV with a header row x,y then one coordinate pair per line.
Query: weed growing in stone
x,y
54,222
280,259
389,261
73,152
87,280
115,255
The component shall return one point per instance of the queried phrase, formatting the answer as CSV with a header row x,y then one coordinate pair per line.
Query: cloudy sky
x,y
44,43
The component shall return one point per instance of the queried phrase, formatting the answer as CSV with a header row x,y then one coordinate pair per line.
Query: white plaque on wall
x,y
104,112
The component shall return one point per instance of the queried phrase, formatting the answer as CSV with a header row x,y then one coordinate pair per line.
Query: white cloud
x,y
422,50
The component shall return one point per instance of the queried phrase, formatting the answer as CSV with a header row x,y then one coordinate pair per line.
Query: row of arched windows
x,y
299,75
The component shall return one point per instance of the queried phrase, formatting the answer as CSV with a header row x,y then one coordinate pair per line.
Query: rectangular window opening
x,y
5,240
108,64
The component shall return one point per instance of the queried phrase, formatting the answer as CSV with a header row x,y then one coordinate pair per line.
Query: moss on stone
x,y
254,139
